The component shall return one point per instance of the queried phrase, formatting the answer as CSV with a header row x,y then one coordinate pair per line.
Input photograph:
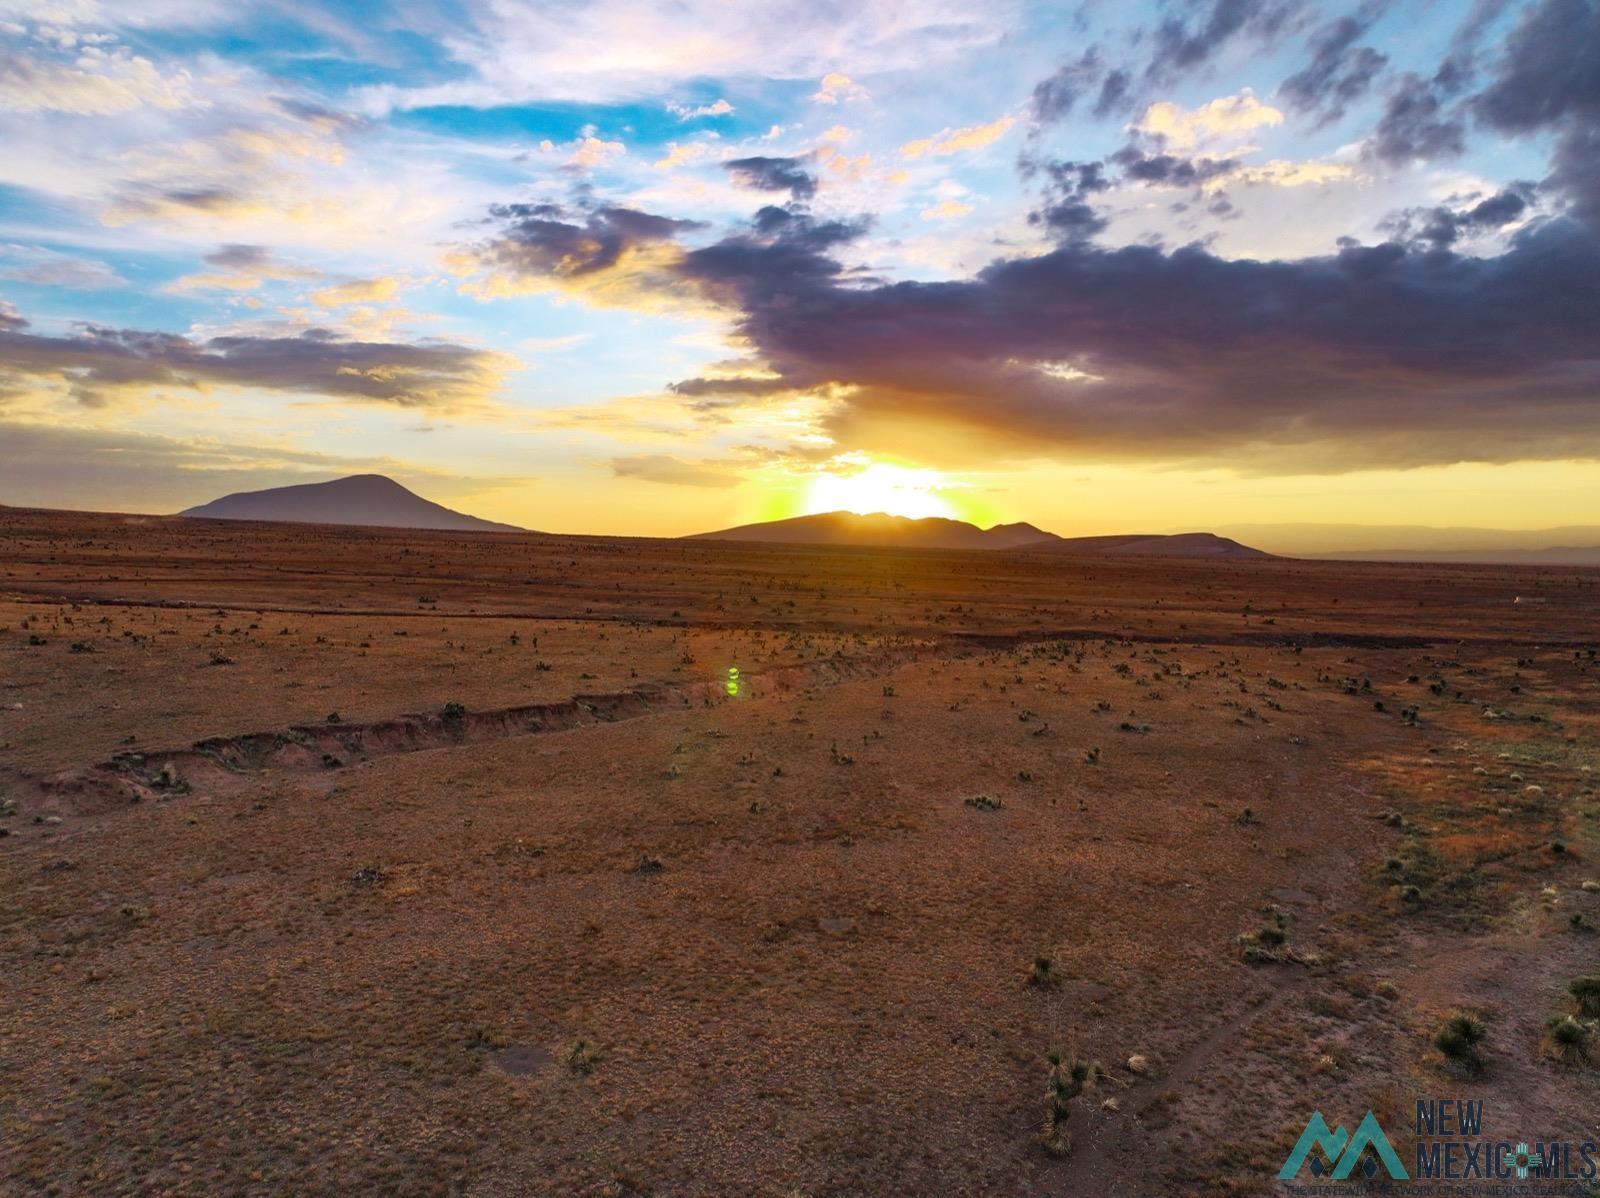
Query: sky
x,y
616,267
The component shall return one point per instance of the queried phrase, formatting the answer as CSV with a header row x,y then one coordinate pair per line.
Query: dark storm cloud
x,y
1067,210
1170,170
1441,226
1549,78
1182,46
1114,94
774,174
1179,45
1340,70
1417,125
97,364
698,388
1550,71
1055,97
1405,355
555,240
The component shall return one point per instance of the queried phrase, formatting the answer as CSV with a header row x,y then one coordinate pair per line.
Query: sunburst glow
x,y
882,487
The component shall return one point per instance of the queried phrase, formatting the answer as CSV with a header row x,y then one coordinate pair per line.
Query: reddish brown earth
x,y
247,949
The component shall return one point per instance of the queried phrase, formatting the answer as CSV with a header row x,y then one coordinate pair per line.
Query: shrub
x,y
1459,1036
1586,990
1043,972
580,1056
454,711
1266,944
1067,1080
1568,1039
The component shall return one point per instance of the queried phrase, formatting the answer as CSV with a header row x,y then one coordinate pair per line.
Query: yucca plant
x,y
1459,1036
1569,1039
1587,992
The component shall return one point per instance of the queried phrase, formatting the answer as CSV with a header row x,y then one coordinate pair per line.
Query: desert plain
x,y
346,861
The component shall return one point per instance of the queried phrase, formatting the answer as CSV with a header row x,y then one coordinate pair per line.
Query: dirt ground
x,y
344,861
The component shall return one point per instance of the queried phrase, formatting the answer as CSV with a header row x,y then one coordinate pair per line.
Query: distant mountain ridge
x,y
1567,545
374,500
879,530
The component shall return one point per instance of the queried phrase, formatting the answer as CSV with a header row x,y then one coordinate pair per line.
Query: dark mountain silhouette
x,y
1183,544
934,532
370,499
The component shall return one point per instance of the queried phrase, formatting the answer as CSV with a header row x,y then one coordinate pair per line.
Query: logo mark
x,y
1343,1151
1522,1160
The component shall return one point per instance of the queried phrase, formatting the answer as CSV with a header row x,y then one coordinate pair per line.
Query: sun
x,y
881,487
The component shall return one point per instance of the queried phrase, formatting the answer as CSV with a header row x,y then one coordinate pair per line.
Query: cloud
x,y
1416,125
1068,210
1440,227
1547,79
774,174
96,365
240,267
836,88
609,255
1340,71
584,152
1055,97
1282,172
99,81
1168,170
357,291
715,108
946,210
1182,48
1415,356
1226,116
664,468
681,154
255,169
50,268
609,51
955,141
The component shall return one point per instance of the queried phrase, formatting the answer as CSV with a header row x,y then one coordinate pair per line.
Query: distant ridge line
x,y
880,530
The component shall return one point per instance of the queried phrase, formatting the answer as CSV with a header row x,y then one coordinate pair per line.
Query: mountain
x,y
370,499
1183,544
1555,555
1570,545
881,531
935,532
